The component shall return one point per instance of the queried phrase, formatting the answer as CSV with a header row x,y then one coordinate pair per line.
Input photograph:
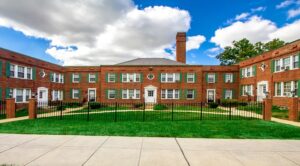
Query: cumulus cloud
x,y
194,42
94,32
242,16
293,13
255,29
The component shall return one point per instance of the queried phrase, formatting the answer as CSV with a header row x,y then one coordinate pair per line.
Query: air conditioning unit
x,y
287,68
282,68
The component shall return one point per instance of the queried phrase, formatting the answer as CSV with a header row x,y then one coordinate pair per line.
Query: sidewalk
x,y
104,150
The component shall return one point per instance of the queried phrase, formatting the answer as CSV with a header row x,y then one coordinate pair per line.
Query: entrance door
x,y
42,96
92,94
150,94
262,88
211,95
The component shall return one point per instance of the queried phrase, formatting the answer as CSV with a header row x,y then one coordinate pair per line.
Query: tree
x,y
244,49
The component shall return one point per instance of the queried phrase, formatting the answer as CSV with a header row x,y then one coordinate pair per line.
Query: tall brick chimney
x,y
181,47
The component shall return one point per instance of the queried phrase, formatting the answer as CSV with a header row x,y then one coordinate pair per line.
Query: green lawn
x,y
202,129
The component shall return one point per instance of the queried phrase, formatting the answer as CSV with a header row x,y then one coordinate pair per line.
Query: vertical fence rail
x,y
2,109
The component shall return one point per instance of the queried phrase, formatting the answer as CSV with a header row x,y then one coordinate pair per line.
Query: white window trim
x,y
282,63
173,95
92,89
214,78
108,93
193,76
23,94
73,77
193,94
90,78
244,92
128,75
73,93
170,74
214,94
134,94
231,92
25,72
109,75
231,78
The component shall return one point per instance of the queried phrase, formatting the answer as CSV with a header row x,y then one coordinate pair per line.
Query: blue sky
x,y
276,17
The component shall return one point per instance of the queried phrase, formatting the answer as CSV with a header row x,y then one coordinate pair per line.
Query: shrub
x,y
61,107
243,103
160,107
229,102
138,105
213,105
73,105
96,105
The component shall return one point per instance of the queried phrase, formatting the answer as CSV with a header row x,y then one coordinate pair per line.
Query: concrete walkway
x,y
134,151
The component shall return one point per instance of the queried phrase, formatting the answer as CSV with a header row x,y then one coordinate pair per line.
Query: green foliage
x,y
61,107
138,105
160,107
96,105
213,105
244,49
73,105
229,102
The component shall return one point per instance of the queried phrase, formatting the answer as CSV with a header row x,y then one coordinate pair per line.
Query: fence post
x,y
61,109
201,105
267,111
88,112
116,107
229,110
10,108
144,108
172,111
32,109
293,109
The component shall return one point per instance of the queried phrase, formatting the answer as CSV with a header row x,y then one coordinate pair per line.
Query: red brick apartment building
x,y
153,80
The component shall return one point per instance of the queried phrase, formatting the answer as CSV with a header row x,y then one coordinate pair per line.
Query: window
x,y
92,78
131,77
76,78
57,95
12,70
111,94
295,61
190,78
20,95
247,72
295,88
58,78
29,73
247,90
278,89
62,79
190,94
170,77
286,63
211,78
21,71
228,94
277,65
170,94
111,77
228,77
131,94
75,93
287,88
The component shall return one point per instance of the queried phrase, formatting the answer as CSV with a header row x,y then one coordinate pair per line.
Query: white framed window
x,y
247,90
12,70
247,72
92,78
17,71
131,94
170,94
278,89
20,95
277,64
228,77
58,78
170,77
75,94
190,94
295,61
286,63
57,95
111,94
21,72
228,94
211,77
76,78
29,73
111,77
286,89
131,77
190,78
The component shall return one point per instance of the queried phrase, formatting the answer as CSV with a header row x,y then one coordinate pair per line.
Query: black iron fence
x,y
149,112
2,109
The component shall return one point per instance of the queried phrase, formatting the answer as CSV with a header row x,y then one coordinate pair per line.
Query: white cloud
x,y
103,31
242,16
258,9
194,42
284,4
293,13
255,29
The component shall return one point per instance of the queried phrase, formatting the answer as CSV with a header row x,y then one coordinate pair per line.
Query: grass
x,y
280,112
253,108
202,129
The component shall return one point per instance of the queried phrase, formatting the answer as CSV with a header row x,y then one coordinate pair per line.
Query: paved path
x,y
134,151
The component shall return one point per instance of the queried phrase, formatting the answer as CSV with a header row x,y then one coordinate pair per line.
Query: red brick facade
x,y
42,74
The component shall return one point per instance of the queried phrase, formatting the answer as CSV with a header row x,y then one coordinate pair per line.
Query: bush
x,y
229,102
213,105
96,105
139,105
243,103
61,107
160,107
73,105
